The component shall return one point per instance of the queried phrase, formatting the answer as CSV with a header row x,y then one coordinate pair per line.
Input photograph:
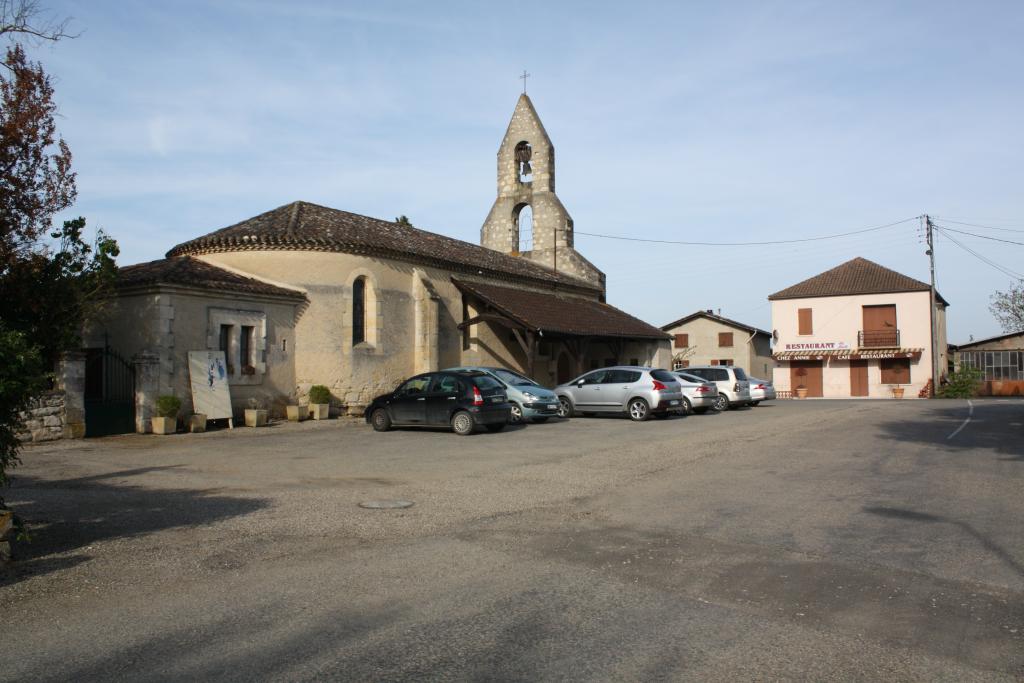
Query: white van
x,y
733,384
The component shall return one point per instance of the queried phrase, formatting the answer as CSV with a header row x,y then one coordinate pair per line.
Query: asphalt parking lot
x,y
796,540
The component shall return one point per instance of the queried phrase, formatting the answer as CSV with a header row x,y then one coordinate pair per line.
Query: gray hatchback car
x,y
637,391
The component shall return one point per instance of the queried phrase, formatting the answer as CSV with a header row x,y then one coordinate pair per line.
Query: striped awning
x,y
848,354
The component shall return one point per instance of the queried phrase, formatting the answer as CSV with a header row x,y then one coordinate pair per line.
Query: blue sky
x,y
678,120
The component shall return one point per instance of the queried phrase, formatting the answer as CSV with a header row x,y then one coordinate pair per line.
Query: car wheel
x,y
687,406
700,411
463,423
638,410
516,414
564,407
754,403
721,403
540,420
495,428
380,420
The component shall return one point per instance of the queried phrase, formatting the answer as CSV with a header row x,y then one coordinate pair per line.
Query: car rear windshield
x,y
740,375
664,376
485,382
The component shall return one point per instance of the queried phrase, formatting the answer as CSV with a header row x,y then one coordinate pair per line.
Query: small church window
x,y
524,222
523,155
359,311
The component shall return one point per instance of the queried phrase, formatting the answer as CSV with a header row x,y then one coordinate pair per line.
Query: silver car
x,y
732,382
637,391
698,394
761,390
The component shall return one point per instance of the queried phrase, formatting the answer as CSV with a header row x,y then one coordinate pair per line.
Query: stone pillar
x,y
147,388
71,380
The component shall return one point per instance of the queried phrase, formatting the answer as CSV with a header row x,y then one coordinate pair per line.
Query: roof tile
x,y
857,276
190,272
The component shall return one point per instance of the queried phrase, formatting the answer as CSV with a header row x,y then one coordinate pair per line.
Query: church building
x,y
305,294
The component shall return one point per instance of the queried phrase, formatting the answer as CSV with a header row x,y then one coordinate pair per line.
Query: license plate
x,y
552,406
673,403
497,399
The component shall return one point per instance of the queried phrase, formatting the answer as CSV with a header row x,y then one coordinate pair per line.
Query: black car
x,y
460,400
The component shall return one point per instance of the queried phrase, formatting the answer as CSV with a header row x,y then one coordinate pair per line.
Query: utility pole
x,y
926,223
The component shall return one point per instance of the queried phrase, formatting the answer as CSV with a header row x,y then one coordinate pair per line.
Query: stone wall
x,y
44,420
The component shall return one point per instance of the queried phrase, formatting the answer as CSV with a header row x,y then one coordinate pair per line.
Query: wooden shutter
x,y
725,338
896,371
682,341
806,321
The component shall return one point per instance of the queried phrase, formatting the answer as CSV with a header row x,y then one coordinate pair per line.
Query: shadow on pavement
x,y
989,429
68,515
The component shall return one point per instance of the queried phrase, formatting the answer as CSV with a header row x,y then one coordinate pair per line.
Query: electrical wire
x,y
977,225
745,244
984,237
1002,269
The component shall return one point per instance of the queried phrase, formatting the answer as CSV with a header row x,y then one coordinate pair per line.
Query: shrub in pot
x,y
255,414
166,420
319,402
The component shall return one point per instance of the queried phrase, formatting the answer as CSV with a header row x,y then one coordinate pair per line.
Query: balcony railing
x,y
873,339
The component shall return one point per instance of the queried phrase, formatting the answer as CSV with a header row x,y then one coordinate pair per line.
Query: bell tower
x,y
527,218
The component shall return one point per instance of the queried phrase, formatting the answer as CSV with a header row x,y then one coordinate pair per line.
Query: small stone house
x,y
704,338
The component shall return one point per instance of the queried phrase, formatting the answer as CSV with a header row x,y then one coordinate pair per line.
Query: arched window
x,y
359,311
524,223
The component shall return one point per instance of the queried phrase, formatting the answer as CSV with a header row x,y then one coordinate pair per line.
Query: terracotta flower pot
x,y
801,392
897,392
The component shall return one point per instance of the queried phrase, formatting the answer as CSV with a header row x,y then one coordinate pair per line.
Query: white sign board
x,y
210,393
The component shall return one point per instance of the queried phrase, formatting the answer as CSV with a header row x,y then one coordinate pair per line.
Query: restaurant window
x,y
682,341
725,338
806,321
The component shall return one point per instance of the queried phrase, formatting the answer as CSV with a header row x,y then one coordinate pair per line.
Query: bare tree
x,y
1008,308
26,19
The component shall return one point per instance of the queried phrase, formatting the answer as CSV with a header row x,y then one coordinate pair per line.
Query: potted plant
x,y
897,390
197,423
801,389
319,402
166,420
297,413
255,414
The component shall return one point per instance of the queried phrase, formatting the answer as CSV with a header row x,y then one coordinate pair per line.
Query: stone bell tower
x,y
527,218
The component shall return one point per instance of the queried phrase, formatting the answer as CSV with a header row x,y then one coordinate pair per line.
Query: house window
x,y
359,311
224,345
895,370
723,361
725,338
682,341
806,321
680,364
245,347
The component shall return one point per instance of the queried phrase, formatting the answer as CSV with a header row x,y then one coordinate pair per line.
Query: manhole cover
x,y
386,504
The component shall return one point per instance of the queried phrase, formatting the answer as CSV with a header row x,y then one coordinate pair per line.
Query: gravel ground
x,y
796,540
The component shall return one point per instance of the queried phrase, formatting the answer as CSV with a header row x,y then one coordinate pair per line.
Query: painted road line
x,y
969,414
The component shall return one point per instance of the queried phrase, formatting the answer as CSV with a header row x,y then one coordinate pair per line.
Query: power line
x,y
978,225
984,237
1004,270
746,244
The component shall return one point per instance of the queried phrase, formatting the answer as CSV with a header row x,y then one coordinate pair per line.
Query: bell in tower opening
x,y
523,155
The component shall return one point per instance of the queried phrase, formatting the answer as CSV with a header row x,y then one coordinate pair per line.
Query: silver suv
x,y
638,392
732,382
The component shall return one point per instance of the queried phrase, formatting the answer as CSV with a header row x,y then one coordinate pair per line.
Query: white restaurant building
x,y
857,330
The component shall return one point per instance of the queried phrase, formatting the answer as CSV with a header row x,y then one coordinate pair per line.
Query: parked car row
x,y
467,397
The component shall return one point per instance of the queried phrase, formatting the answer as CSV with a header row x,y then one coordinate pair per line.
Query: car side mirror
x,y
581,382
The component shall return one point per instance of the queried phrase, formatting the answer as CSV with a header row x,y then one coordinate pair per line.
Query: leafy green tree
x,y
962,384
51,280
1008,308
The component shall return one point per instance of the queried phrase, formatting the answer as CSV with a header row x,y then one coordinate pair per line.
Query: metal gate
x,y
109,393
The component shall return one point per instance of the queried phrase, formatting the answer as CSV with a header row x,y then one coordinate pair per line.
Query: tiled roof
x,y
550,313
711,316
310,227
857,276
190,272
981,343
